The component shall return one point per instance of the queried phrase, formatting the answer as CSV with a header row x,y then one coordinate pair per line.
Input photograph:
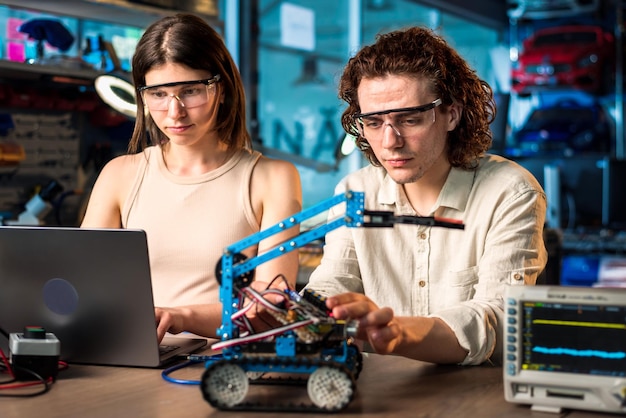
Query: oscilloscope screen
x,y
573,338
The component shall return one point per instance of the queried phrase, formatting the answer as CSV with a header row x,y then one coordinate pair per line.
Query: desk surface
x,y
387,387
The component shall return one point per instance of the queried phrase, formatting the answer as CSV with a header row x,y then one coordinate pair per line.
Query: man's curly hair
x,y
421,53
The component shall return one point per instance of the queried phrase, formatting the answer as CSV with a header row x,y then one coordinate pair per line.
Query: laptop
x,y
91,288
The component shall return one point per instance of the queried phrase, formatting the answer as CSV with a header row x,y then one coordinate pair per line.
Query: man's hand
x,y
418,337
377,325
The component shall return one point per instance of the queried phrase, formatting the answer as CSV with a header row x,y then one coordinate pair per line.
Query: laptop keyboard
x,y
164,349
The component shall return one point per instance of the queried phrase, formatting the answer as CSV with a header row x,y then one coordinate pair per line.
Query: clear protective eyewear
x,y
405,122
192,94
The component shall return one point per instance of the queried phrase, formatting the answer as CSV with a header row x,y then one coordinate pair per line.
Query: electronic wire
x,y
7,366
165,374
12,383
249,298
262,335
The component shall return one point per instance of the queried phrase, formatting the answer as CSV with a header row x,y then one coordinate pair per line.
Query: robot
x,y
309,345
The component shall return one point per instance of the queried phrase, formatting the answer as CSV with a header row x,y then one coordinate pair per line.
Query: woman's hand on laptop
x,y
202,320
169,320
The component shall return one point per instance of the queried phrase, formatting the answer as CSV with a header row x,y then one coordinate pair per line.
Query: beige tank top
x,y
188,222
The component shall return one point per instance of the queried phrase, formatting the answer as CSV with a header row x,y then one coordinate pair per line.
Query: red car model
x,y
579,57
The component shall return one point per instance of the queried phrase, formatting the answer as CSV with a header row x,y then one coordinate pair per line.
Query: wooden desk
x,y
388,387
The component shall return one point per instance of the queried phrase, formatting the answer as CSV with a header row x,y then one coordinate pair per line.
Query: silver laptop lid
x,y
90,287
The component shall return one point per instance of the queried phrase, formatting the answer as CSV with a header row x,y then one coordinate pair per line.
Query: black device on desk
x,y
565,347
34,353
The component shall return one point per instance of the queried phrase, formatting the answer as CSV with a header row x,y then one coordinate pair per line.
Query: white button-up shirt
x,y
456,275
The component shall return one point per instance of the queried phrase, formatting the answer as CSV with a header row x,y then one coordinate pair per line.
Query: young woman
x,y
191,179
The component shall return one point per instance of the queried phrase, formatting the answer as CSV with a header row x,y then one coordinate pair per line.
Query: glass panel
x,y
302,47
123,39
474,42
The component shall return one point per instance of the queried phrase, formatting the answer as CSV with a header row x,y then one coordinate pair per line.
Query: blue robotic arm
x,y
309,340
235,270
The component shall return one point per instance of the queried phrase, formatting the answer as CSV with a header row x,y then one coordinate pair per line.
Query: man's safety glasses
x,y
405,122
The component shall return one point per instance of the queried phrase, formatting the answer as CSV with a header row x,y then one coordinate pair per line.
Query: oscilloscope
x,y
565,347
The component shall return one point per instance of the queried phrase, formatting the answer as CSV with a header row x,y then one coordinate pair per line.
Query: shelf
x,y
38,72
121,12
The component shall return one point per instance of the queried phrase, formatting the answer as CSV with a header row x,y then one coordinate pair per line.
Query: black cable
x,y
278,276
46,385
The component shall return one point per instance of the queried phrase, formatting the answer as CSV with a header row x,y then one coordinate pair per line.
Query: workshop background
x,y
556,68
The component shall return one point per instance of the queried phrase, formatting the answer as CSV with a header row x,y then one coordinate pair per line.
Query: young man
x,y
421,116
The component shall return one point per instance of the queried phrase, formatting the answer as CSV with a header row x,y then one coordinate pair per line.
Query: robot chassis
x,y
309,342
